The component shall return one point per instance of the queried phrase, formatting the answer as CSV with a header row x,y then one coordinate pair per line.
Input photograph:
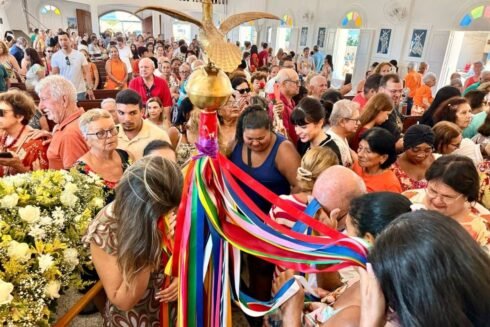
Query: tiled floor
x,y
95,320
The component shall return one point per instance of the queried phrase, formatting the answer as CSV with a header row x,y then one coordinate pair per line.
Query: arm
x,y
111,277
287,162
41,73
173,134
96,76
166,113
86,72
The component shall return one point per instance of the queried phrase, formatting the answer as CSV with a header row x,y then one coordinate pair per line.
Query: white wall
x,y
472,48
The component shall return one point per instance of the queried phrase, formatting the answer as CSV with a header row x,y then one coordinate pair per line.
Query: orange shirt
x,y
423,92
67,144
413,81
386,181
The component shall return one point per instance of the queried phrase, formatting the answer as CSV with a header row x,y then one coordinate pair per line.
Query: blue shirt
x,y
318,58
17,52
476,122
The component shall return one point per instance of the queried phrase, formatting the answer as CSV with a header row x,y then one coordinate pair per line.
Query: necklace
x,y
6,146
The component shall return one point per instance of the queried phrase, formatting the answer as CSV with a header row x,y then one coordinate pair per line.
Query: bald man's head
x,y
146,67
288,80
336,187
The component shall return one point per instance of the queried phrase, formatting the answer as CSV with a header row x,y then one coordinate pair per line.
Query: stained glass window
x,y
474,14
352,19
48,8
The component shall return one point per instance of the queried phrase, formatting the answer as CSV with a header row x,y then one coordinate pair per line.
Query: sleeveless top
x,y
267,174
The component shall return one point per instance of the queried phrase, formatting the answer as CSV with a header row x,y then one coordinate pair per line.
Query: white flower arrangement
x,y
43,216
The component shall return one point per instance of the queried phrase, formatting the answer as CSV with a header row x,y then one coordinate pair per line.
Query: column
x,y
94,15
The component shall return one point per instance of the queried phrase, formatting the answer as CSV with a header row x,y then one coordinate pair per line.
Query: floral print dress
x,y
103,233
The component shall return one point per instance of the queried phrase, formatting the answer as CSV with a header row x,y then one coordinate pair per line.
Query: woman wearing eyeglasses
x,y
453,190
103,159
411,165
117,73
19,153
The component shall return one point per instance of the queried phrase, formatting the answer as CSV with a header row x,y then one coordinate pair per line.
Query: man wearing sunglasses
x,y
72,65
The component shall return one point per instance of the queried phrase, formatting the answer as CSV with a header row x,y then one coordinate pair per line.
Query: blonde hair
x,y
91,116
378,103
313,163
378,68
4,47
148,190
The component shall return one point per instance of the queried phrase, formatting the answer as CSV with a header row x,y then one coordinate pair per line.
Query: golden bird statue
x,y
223,54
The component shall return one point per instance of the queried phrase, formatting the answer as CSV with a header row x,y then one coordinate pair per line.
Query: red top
x,y
286,117
158,89
359,98
263,55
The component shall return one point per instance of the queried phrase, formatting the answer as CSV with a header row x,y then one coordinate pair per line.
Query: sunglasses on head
x,y
243,91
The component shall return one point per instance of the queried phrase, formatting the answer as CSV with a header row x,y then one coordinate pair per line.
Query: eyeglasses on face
x,y
447,199
243,91
356,120
67,60
105,133
184,71
297,82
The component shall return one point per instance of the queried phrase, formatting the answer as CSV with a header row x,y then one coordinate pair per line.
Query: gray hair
x,y
107,100
91,116
342,109
428,76
411,65
285,74
58,87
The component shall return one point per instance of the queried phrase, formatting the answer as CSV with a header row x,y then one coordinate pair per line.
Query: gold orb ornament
x,y
208,87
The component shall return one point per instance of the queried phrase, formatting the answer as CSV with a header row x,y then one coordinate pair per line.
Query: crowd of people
x,y
288,128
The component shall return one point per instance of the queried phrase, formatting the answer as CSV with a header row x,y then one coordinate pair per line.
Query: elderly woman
x,y
344,122
19,152
423,95
411,165
457,110
453,190
375,113
376,154
272,161
126,244
228,116
103,158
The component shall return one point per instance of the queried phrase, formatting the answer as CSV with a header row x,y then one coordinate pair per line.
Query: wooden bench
x,y
104,94
20,86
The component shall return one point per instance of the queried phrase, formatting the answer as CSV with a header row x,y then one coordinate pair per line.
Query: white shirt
x,y
125,54
149,132
71,67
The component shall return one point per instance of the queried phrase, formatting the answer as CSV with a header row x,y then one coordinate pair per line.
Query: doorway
x,y
347,44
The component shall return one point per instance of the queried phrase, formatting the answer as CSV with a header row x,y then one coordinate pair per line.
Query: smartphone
x,y
6,155
348,79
